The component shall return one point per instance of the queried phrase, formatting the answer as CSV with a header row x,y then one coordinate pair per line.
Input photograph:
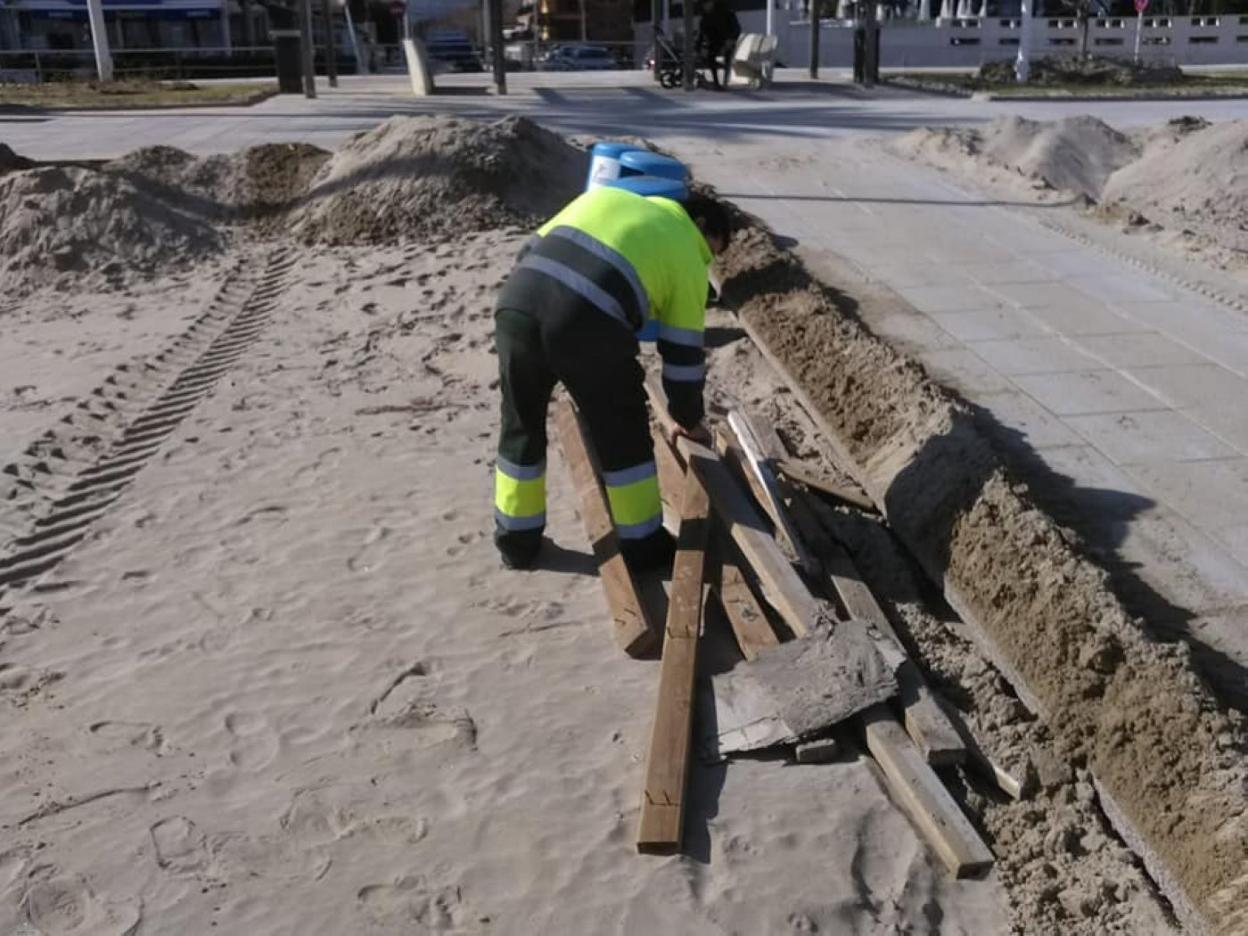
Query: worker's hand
x,y
698,433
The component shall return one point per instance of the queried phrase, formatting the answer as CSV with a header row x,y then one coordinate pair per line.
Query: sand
x,y
282,684
415,177
59,225
1182,183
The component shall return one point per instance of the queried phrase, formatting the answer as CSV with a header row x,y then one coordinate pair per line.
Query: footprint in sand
x,y
252,744
412,899
135,734
180,847
58,905
371,555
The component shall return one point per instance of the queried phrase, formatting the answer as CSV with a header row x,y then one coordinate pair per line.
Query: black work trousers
x,y
595,358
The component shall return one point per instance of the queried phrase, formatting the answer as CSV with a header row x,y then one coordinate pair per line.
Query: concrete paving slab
x,y
1017,356
1187,386
1226,421
900,274
1092,391
1141,349
1065,263
1178,565
1211,494
1086,485
1011,271
1020,420
990,324
963,370
1160,435
949,298
1077,321
1055,295
913,331
1122,287
1235,538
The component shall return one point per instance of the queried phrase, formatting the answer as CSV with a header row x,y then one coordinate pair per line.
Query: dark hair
x,y
711,215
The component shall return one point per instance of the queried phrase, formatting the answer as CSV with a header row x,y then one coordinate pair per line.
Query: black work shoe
x,y
518,550
656,551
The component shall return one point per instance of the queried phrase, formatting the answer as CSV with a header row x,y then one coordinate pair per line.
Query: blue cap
x,y
612,149
646,163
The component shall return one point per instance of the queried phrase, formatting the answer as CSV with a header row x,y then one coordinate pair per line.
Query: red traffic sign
x,y
1141,6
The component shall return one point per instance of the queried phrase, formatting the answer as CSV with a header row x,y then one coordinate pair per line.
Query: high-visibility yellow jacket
x,y
635,259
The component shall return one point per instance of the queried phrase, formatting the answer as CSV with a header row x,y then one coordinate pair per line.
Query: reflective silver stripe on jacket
x,y
578,284
611,256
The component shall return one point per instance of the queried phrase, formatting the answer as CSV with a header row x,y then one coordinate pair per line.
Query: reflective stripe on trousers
x,y
520,495
633,495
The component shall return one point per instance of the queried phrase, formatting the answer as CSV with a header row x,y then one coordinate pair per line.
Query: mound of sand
x,y
61,222
415,177
256,183
1082,70
1076,154
1193,177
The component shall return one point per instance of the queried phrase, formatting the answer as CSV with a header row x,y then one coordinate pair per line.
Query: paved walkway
x,y
1121,396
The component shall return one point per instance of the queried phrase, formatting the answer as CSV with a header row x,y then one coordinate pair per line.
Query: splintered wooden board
x,y
660,830
631,630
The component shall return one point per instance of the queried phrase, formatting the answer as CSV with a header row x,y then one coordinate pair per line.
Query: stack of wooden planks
x,y
737,509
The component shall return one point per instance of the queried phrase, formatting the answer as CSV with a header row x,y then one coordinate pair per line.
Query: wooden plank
x,y
918,791
749,623
781,585
795,471
660,830
726,578
671,476
933,731
756,463
629,624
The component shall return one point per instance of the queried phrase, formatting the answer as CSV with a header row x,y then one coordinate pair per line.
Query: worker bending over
x,y
570,312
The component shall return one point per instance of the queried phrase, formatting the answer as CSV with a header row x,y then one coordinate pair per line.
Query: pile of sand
x,y
58,224
1187,176
1082,70
1193,176
1077,154
254,184
416,177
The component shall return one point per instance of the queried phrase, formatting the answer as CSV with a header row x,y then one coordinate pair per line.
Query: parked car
x,y
579,58
451,51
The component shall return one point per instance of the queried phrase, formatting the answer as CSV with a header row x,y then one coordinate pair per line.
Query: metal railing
x,y
165,64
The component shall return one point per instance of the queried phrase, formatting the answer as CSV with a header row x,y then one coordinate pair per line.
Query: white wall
x,y
1186,40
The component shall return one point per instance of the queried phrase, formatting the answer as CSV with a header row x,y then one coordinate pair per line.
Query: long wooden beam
x,y
630,627
781,586
660,830
726,578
